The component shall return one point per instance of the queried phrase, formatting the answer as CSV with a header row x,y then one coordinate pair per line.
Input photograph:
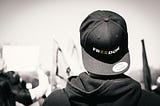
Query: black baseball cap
x,y
104,41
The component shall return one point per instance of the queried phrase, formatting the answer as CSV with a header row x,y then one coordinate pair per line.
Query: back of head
x,y
104,41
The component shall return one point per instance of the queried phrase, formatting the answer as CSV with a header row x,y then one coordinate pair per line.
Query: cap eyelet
x,y
106,19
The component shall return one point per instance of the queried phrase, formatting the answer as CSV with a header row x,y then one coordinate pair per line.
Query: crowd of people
x,y
13,88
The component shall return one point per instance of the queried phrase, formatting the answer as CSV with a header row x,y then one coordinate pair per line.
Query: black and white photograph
x,y
79,53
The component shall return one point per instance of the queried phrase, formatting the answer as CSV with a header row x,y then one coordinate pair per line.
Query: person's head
x,y
104,41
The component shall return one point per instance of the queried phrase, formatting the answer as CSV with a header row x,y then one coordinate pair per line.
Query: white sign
x,y
21,58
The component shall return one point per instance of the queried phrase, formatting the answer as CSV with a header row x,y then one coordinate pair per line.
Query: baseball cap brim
x,y
94,66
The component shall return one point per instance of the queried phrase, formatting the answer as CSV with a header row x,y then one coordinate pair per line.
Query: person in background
x,y
13,88
5,90
106,57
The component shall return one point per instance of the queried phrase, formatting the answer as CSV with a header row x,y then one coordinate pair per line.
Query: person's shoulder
x,y
57,98
147,94
149,99
53,98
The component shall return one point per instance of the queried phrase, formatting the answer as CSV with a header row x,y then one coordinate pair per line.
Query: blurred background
x,y
51,24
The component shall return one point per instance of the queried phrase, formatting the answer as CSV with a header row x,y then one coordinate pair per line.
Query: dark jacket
x,y
6,96
84,90
12,89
